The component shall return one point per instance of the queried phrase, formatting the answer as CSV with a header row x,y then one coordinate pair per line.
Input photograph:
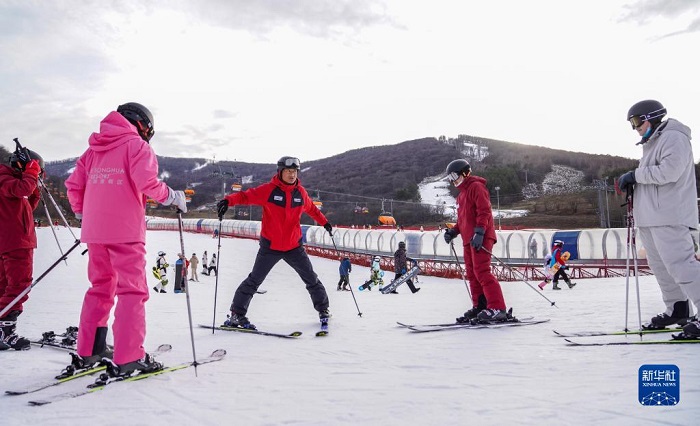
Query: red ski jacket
x,y
474,209
282,208
19,195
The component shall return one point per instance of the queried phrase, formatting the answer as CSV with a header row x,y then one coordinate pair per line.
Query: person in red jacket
x,y
475,225
283,200
19,196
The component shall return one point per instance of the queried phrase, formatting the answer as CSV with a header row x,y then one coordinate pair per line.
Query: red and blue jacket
x,y
283,206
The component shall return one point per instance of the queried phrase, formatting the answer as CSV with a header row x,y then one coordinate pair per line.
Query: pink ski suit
x,y
109,188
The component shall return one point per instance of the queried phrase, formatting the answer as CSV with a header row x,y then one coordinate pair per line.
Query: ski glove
x,y
403,271
222,207
450,234
478,238
22,156
33,169
176,198
626,180
328,227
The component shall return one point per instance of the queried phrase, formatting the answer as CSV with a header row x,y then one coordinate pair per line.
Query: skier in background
x,y
109,185
181,276
194,261
400,266
375,275
204,263
161,273
283,200
212,267
19,196
557,251
344,269
665,211
475,225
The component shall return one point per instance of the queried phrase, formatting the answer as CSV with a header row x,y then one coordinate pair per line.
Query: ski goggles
x,y
637,120
290,162
453,176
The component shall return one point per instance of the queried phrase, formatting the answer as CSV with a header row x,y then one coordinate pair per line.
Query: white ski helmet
x,y
559,243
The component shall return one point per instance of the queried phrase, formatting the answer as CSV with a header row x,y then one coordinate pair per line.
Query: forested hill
x,y
364,177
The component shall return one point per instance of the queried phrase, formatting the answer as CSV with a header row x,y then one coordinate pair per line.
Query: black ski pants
x,y
265,260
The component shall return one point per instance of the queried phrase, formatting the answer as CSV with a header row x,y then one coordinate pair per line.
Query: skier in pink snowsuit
x,y
108,191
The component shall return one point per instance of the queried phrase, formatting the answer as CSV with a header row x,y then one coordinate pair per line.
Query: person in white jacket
x,y
666,210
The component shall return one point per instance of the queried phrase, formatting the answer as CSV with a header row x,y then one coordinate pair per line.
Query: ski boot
x,y
323,316
555,285
492,316
569,283
147,364
690,331
543,284
680,315
238,321
473,312
8,338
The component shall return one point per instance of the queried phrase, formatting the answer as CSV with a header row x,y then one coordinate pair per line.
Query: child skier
x,y
204,263
160,271
376,275
344,269
559,257
552,268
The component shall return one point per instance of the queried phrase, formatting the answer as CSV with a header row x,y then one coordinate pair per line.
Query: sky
x,y
367,371
255,80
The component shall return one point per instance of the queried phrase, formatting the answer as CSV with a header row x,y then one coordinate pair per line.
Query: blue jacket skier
x,y
344,269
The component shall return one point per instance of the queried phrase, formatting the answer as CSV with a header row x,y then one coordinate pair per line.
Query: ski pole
x,y
216,285
48,217
359,314
187,288
58,209
36,281
461,271
521,276
631,247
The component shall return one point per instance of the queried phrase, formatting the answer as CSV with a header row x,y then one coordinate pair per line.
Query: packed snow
x,y
368,370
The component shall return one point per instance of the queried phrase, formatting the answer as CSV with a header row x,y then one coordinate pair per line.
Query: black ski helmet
x,y
139,116
648,110
288,162
18,165
402,245
456,168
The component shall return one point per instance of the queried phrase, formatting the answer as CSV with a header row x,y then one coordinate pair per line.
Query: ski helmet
x,y
559,243
457,168
288,162
17,164
161,253
377,258
648,110
139,116
402,245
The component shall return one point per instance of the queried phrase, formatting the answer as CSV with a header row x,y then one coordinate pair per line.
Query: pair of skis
x,y
293,335
102,382
513,322
676,338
